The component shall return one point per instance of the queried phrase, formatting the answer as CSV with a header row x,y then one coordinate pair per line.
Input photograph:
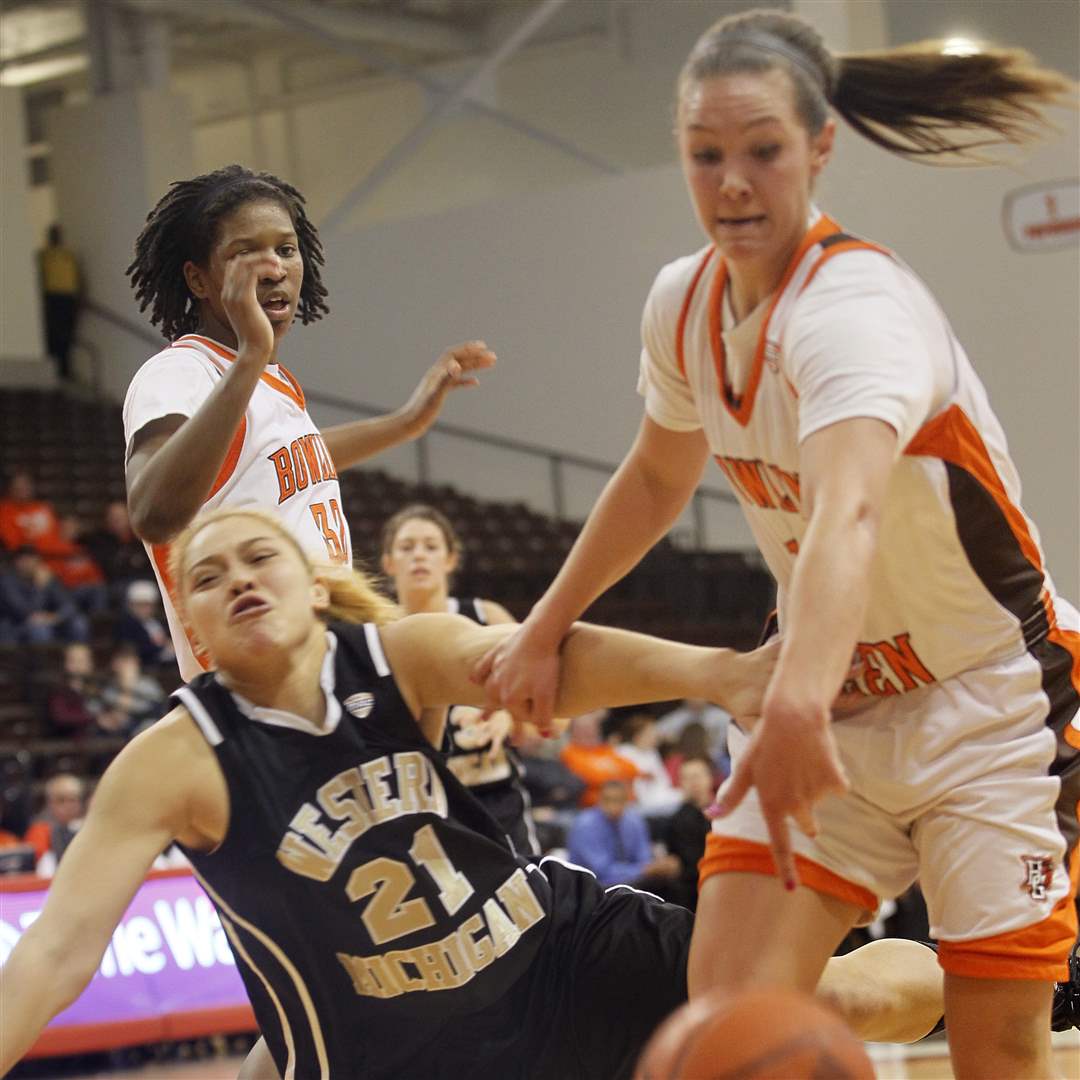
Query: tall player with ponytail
x,y
820,373
226,262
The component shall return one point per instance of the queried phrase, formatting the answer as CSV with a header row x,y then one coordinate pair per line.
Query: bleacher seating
x,y
74,448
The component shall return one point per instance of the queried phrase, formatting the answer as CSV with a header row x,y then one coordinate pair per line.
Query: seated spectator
x,y
130,697
654,793
591,759
118,551
694,742
54,829
74,704
34,606
689,826
612,840
26,520
140,626
76,570
711,717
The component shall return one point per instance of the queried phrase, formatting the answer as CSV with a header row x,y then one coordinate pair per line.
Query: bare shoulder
x,y
171,770
166,756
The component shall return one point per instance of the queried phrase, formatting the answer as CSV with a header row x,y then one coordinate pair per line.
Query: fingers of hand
x,y
782,852
734,791
471,356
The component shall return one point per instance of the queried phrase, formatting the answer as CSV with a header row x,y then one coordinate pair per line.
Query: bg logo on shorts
x,y
1038,873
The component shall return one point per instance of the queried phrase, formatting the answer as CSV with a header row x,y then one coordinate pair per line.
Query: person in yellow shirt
x,y
61,284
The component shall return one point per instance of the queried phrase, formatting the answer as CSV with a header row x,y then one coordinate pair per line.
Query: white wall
x,y
21,335
554,281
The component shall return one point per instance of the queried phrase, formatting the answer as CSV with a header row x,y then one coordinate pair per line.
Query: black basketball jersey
x,y
370,901
496,783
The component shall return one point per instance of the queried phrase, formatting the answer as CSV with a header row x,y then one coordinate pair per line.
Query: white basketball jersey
x,y
958,580
277,460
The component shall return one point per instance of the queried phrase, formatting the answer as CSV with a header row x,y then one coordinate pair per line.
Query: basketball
x,y
756,1035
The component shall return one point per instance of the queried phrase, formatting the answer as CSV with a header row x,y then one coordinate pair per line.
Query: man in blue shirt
x,y
612,840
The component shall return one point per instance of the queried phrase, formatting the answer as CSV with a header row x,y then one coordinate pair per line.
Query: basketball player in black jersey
x,y
421,551
381,922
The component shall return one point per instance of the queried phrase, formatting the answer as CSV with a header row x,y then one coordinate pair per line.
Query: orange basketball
x,y
756,1035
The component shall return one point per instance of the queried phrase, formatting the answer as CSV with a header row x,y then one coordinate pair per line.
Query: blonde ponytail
x,y
353,598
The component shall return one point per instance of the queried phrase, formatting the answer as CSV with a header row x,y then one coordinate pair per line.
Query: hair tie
x,y
762,39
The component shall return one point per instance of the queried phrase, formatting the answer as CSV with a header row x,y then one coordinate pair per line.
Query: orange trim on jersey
x,y
680,330
1034,952
836,249
287,386
160,554
228,466
952,437
824,226
729,854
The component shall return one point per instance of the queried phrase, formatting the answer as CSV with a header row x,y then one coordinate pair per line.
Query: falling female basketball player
x,y
381,923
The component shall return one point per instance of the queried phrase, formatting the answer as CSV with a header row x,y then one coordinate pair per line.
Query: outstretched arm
x,y
432,656
637,507
141,804
792,758
351,443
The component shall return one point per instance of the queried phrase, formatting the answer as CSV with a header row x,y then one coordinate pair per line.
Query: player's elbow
x,y
151,519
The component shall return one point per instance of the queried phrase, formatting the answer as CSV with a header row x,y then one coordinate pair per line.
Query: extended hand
x,y
240,299
521,675
454,369
792,760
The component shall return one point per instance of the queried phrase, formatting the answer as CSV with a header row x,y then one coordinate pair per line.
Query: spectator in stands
x,y
118,551
34,606
689,826
712,718
54,829
15,772
61,286
130,698
74,703
694,742
76,568
25,519
593,760
654,793
140,626
612,840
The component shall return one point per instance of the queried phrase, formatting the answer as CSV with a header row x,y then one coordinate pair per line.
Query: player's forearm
x,y
826,604
349,444
603,667
173,485
631,515
37,982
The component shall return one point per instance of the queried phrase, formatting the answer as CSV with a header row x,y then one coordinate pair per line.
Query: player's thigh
x,y
993,859
750,931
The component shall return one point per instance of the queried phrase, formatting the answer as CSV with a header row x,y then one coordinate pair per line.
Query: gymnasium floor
x,y
922,1061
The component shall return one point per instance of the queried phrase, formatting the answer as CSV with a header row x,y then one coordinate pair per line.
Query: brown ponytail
x,y
918,100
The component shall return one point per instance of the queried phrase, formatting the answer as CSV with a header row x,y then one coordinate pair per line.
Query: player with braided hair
x,y
225,263
183,226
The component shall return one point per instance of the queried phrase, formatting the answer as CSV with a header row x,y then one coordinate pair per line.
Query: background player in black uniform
x,y
381,923
421,551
